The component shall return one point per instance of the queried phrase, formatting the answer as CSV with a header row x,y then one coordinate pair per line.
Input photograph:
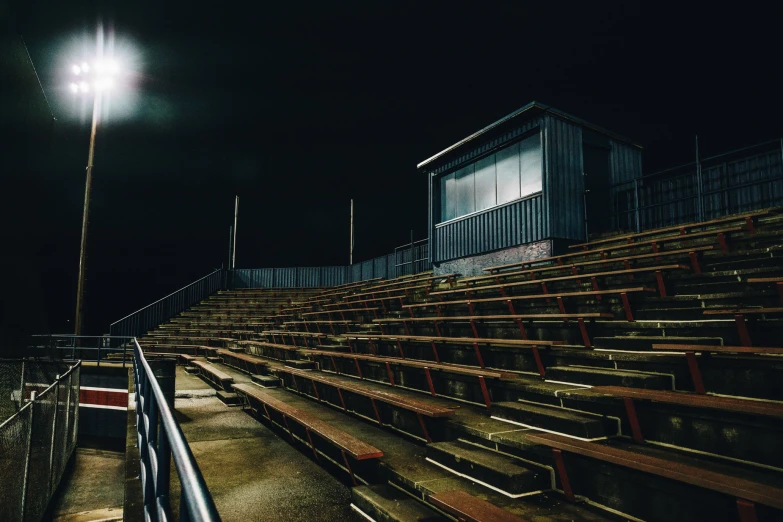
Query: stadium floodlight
x,y
97,78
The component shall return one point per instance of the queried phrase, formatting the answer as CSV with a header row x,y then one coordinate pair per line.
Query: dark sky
x,y
297,107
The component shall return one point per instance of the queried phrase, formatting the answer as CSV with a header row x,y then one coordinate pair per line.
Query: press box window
x,y
507,175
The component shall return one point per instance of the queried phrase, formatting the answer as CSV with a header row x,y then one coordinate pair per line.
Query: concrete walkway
x,y
252,473
91,488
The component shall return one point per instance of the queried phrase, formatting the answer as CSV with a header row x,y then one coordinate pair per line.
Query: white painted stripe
x,y
547,431
362,513
477,481
568,383
103,407
94,388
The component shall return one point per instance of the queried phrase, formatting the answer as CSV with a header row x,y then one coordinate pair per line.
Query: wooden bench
x,y
482,375
739,319
318,324
690,400
341,311
420,408
467,508
345,442
475,342
293,335
657,270
450,278
682,230
215,375
690,351
747,492
622,292
654,244
381,300
517,318
280,352
575,268
777,281
242,361
388,291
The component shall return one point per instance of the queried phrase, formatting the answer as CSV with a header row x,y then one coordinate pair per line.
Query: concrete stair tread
x,y
592,375
482,464
387,504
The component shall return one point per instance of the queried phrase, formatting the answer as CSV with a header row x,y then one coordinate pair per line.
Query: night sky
x,y
297,107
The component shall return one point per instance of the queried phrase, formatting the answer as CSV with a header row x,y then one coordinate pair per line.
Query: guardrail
x,y
93,348
160,438
141,321
37,441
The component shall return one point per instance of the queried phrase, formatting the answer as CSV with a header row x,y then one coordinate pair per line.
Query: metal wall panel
x,y
285,278
333,275
625,161
367,269
309,277
379,267
501,227
563,180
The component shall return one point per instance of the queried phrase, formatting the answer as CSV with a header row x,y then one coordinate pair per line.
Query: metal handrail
x,y
166,296
156,313
158,447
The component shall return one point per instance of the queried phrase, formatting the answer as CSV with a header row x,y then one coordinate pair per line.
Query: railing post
x,y
68,406
54,432
25,484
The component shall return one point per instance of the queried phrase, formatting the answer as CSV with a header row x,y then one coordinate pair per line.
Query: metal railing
x,y
141,321
160,438
412,258
37,441
93,348
739,181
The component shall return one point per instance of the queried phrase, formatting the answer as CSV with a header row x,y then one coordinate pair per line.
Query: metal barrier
x,y
37,441
147,318
93,348
159,439
735,182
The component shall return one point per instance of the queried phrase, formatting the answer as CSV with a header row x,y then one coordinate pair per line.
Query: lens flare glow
x,y
74,87
76,69
84,86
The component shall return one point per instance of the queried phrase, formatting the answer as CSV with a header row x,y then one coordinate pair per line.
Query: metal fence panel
x,y
739,181
37,441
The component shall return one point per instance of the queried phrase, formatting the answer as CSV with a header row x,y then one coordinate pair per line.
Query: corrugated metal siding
x,y
625,161
285,278
308,277
481,149
563,185
334,275
501,227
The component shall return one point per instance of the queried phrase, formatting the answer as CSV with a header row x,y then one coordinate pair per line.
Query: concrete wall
x,y
474,265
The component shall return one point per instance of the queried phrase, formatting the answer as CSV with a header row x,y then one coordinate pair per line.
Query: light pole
x,y
95,80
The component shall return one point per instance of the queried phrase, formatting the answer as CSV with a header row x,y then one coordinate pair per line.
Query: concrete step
x,y
644,343
228,398
384,503
489,467
555,418
608,377
670,314
215,359
267,381
300,364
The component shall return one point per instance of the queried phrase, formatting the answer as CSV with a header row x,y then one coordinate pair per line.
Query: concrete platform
x,y
91,488
251,472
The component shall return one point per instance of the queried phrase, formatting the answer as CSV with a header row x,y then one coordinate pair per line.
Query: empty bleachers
x,y
635,376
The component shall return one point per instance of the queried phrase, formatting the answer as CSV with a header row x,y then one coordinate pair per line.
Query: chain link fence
x,y
39,409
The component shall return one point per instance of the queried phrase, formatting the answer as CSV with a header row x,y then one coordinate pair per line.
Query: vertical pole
x,y
234,243
350,259
230,244
413,256
636,204
96,111
700,208
54,434
25,484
